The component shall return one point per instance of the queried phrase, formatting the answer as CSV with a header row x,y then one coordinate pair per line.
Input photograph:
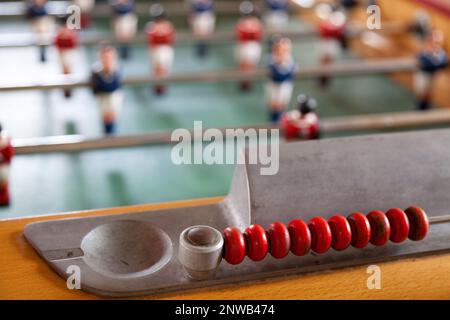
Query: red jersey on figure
x,y
66,39
160,33
249,29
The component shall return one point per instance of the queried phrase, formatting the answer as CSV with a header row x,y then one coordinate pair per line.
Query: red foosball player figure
x,y
302,123
432,59
332,31
106,83
66,42
124,24
6,155
86,7
42,23
160,35
249,31
202,20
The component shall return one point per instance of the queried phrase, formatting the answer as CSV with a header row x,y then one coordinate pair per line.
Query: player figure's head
x,y
436,39
247,9
157,12
282,49
305,104
337,16
1,128
108,58
38,3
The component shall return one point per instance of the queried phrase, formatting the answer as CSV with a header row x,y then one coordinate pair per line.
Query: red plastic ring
x,y
320,235
399,225
257,242
418,223
279,240
300,237
380,228
360,230
340,231
234,245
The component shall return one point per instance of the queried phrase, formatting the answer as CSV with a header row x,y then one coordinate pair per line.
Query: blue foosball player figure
x,y
124,25
431,59
43,25
202,20
106,83
282,68
277,14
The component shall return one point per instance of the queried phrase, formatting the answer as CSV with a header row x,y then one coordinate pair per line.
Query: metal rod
x,y
439,219
378,66
101,10
92,39
77,143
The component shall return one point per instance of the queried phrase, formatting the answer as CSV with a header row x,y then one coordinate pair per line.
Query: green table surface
x,y
50,183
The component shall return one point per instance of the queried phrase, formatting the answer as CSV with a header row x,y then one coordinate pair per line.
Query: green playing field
x,y
42,184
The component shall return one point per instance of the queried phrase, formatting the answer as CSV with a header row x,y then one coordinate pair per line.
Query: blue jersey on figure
x,y
122,7
282,72
35,10
277,5
199,6
106,83
432,62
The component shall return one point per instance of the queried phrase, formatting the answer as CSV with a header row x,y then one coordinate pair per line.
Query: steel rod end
x,y
200,251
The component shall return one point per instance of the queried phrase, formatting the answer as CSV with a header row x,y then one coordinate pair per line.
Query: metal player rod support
x,y
366,67
90,39
77,143
200,248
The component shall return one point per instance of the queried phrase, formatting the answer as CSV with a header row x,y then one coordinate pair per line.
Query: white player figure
x,y
277,16
86,7
249,31
202,20
431,59
106,84
160,38
282,68
6,155
124,25
43,25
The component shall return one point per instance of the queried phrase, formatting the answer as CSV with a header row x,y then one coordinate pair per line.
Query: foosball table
x,y
333,204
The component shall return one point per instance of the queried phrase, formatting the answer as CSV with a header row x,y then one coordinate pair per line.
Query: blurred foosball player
x,y
349,7
303,122
124,25
202,20
432,59
6,155
282,69
66,42
333,36
160,36
249,31
276,16
106,83
43,25
86,7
